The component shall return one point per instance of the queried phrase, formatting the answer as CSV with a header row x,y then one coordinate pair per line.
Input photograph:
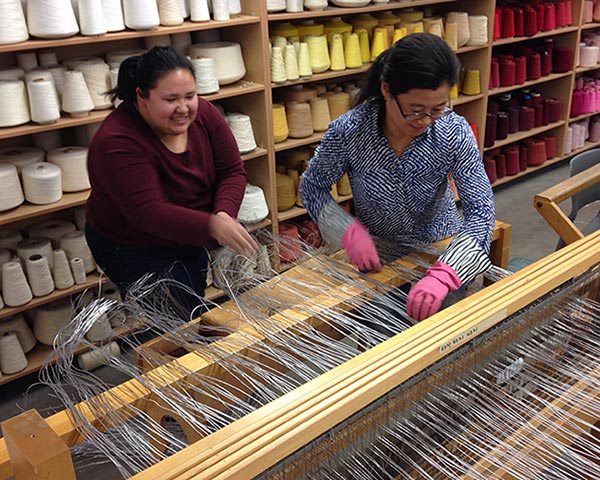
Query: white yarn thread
x,y
478,30
79,217
21,156
229,62
13,28
199,11
9,239
97,79
40,73
12,357
19,326
61,272
141,14
235,7
184,8
39,276
254,206
275,5
113,15
220,10
12,73
50,318
15,289
91,17
43,101
11,193
53,229
462,21
51,18
78,270
75,246
42,183
149,42
181,41
73,165
206,75
77,100
47,140
35,246
5,256
277,66
169,13
47,57
27,60
98,356
569,141
116,57
294,6
290,62
15,106
241,126
588,55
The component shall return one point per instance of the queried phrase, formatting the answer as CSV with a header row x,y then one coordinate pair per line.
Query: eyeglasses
x,y
419,115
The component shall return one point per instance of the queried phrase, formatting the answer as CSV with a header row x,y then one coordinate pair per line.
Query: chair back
x,y
578,164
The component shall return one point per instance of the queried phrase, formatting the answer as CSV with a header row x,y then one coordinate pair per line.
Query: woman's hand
x,y
230,233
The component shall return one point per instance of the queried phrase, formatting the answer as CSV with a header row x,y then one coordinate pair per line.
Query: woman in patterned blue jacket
x,y
398,147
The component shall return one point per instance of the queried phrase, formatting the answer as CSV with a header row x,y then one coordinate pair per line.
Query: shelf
x,y
550,33
583,116
320,77
93,280
257,152
298,142
332,11
295,212
529,83
587,26
518,136
528,170
187,26
587,69
462,99
28,210
258,225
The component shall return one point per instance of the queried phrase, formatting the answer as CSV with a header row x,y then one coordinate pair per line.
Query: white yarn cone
x,y
9,239
35,245
50,318
39,276
19,326
113,15
75,246
91,17
199,11
100,330
53,229
15,104
206,76
63,277
77,100
141,14
254,206
11,194
12,73
220,10
169,13
12,357
73,165
15,289
47,140
97,78
78,270
27,60
43,101
98,356
241,126
47,57
51,18
42,183
13,28
79,217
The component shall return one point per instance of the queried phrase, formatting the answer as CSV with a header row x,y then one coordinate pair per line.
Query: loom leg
x,y
35,450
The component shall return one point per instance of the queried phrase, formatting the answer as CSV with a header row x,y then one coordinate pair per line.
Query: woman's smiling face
x,y
171,106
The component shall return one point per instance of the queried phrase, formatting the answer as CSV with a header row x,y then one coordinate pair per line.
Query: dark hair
x,y
143,71
419,60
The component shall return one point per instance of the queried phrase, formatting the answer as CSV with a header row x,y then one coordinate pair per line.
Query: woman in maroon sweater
x,y
167,178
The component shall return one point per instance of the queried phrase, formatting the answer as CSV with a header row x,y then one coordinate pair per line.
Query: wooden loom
x,y
388,366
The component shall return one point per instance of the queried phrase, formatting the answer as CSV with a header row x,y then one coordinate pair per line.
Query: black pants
x,y
125,264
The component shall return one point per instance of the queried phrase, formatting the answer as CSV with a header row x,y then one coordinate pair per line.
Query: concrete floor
x,y
531,239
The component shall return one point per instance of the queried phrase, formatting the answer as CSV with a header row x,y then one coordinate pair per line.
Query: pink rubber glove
x,y
426,296
360,248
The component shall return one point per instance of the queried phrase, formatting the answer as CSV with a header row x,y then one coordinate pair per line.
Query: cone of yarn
x,y
73,165
220,9
298,201
42,183
364,21
12,73
434,25
47,140
280,125
290,62
229,62
462,23
51,18
97,78
11,194
19,326
15,105
278,74
241,126
75,246
116,316
365,45
315,5
100,330
98,356
339,103
206,75
53,229
47,57
76,99
79,217
286,192
50,318
27,60
336,49
399,33
478,30
35,246
117,56
39,275
319,108
254,207
15,289
113,15
5,256
284,29
299,119
336,25
471,84
297,93
294,6
169,13
318,53
352,53
343,185
12,357
78,270
304,64
9,239
378,45
141,14
91,17
43,101
61,271
278,41
13,28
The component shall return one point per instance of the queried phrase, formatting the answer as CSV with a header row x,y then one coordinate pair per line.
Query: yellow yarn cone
x,y
454,91
378,45
451,35
280,126
336,49
304,68
318,52
365,48
471,83
352,54
399,33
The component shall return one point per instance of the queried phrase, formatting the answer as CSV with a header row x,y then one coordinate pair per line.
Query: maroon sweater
x,y
144,194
